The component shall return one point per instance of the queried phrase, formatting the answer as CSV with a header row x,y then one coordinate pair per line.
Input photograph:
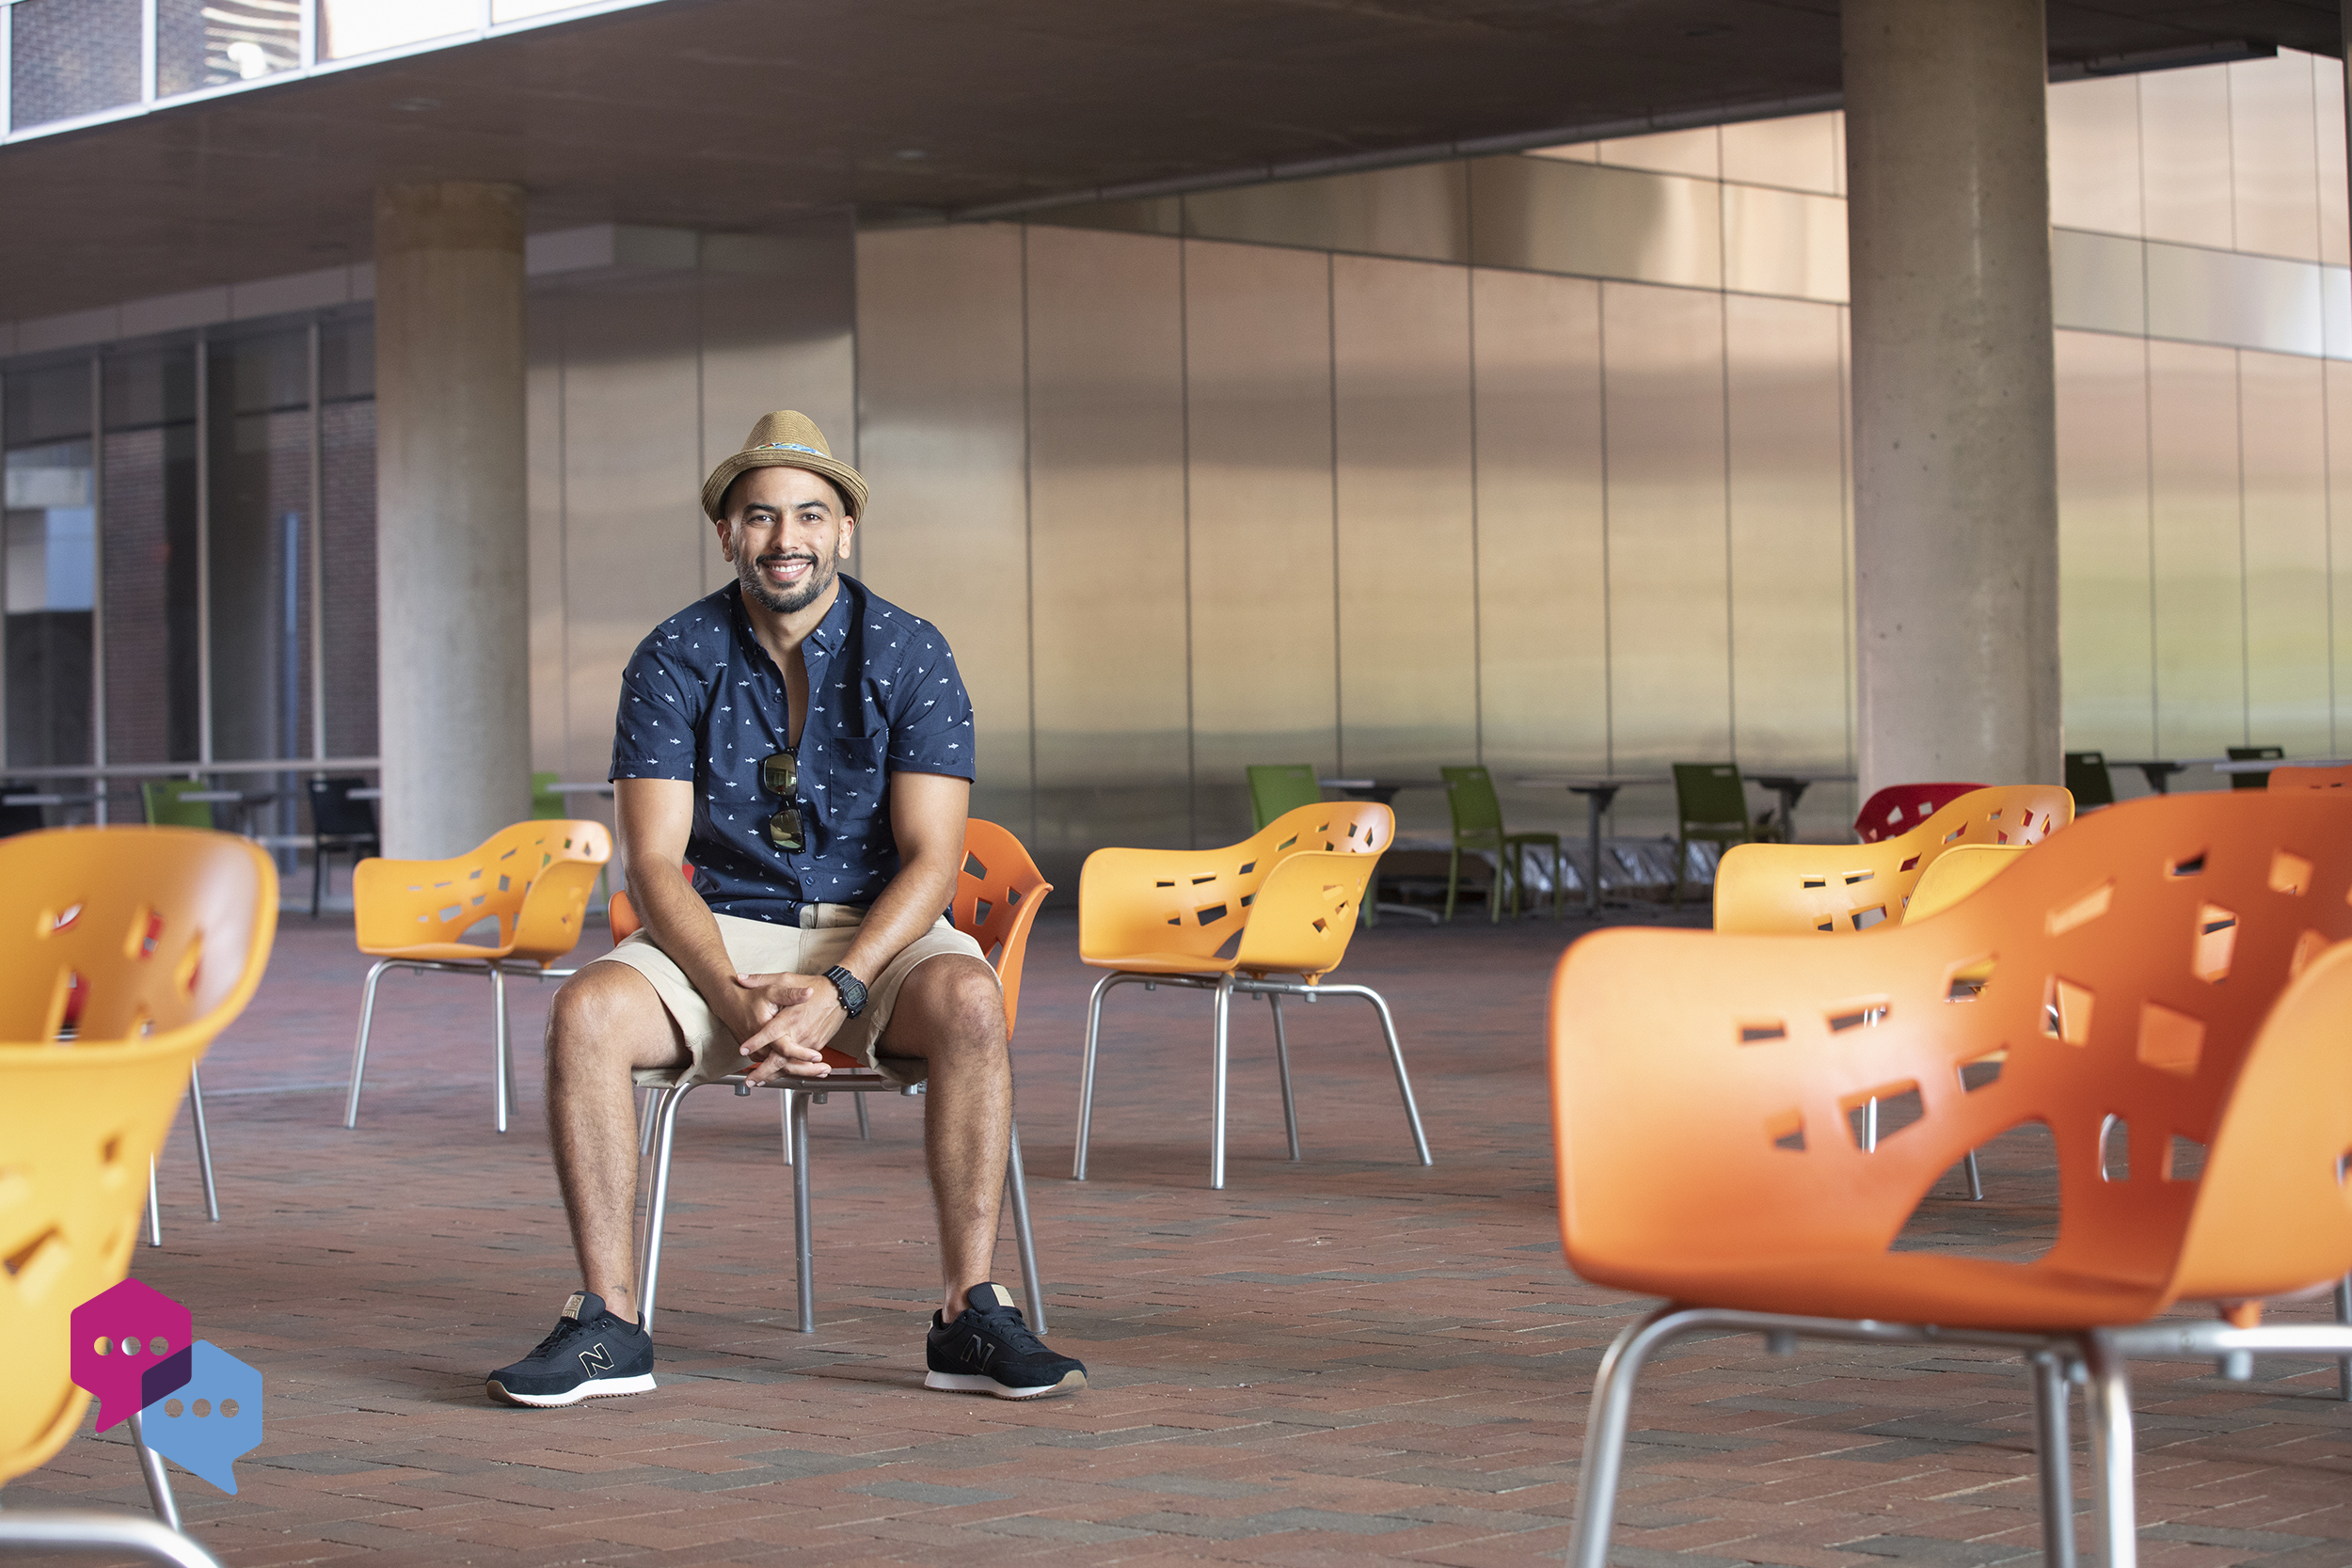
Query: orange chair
x,y
1283,901
159,936
2126,967
620,915
1899,808
2311,778
1845,887
999,893
532,878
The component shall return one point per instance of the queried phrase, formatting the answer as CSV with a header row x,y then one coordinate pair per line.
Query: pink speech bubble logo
x,y
120,1335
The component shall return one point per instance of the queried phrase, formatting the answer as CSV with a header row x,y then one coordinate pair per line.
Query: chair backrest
x,y
335,814
1470,794
1193,902
999,891
2311,778
2087,780
18,819
546,804
2254,753
1709,794
164,930
165,809
2123,968
1955,874
1278,787
1899,808
1304,913
1843,888
533,878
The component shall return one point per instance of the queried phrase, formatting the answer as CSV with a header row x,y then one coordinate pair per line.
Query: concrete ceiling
x,y
742,115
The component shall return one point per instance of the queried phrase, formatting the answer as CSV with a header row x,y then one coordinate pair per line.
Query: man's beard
x,y
786,602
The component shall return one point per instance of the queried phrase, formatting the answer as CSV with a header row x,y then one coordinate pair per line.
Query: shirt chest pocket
x,y
853,765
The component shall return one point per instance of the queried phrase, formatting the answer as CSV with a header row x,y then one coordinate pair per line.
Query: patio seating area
x,y
1346,1359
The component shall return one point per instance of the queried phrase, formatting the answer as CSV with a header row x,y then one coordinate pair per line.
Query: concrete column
x,y
452,662
1954,397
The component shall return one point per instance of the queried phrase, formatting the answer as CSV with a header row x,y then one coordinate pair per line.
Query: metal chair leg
x,y
865,1126
2054,1445
1453,881
2344,1315
1976,1177
1017,1188
803,1254
318,875
1086,1073
1283,1067
502,1066
155,1208
203,1144
1604,1436
784,1122
1396,1060
647,1098
2111,1453
649,1272
359,1052
158,1478
87,1531
1217,1082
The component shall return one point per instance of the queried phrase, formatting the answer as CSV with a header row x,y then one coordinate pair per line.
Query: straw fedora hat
x,y
785,439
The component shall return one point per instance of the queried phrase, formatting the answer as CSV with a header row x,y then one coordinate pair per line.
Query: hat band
x,y
793,446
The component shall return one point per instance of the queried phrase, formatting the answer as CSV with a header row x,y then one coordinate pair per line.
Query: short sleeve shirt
x,y
701,701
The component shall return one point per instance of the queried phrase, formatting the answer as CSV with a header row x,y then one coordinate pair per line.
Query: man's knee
x,y
960,1006
603,1011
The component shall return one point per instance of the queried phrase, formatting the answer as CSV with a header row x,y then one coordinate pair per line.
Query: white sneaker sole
x,y
595,1388
975,1383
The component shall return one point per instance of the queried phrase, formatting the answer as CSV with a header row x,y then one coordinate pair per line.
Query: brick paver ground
x,y
1345,1359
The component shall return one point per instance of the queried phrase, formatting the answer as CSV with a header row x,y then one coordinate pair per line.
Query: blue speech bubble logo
x,y
212,1420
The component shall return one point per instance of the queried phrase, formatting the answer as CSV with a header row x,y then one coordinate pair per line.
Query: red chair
x,y
1899,808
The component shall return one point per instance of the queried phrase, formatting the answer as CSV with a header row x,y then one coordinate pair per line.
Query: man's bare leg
x,y
607,1020
951,1013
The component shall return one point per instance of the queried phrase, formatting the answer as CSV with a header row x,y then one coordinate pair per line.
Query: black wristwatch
x,y
852,988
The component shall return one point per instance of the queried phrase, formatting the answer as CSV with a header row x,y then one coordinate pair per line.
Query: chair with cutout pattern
x,y
1283,901
2124,979
999,893
1899,808
151,940
1844,888
2311,778
532,878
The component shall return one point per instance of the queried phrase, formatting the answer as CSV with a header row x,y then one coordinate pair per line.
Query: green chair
x,y
2087,780
165,809
546,804
1278,787
1470,794
2254,753
1710,807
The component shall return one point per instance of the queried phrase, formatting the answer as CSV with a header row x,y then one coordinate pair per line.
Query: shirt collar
x,y
823,642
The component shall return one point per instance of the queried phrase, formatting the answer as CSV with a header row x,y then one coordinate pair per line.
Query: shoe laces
x,y
562,1327
1006,1324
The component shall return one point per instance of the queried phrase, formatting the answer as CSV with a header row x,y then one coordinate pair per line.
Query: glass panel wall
x,y
152,696
348,27
347,541
72,57
50,565
211,43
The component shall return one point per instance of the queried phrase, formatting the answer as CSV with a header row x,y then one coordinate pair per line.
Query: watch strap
x,y
849,988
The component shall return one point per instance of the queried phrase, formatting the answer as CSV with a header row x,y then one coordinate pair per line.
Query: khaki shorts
x,y
820,941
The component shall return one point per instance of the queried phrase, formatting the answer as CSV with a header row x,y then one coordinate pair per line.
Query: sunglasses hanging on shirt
x,y
780,775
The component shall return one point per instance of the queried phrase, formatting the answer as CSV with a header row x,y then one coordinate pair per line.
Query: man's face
x,y
786,536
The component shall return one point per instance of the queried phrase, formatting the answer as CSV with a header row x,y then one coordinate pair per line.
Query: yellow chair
x,y
1955,874
532,878
1283,901
157,937
1853,887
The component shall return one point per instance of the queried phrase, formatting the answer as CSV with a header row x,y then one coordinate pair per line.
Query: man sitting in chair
x,y
808,747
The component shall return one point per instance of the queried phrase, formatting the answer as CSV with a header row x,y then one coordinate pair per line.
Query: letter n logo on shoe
x,y
596,1358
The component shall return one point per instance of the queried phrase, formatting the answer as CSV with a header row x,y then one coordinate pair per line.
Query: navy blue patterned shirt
x,y
701,700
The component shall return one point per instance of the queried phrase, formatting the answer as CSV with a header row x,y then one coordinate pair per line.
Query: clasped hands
x,y
783,1023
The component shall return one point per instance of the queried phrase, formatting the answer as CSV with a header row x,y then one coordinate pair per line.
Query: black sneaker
x,y
588,1355
989,1349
